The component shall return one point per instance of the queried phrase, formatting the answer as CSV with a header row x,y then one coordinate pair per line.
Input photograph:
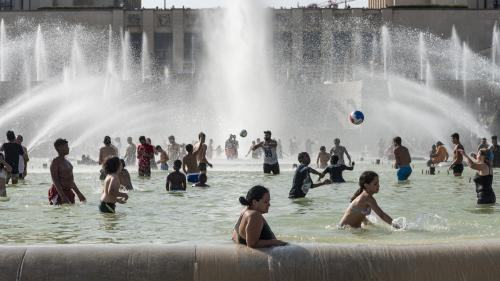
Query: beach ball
x,y
243,133
356,117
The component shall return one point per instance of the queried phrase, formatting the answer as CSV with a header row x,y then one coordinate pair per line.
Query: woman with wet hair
x,y
362,202
252,229
484,176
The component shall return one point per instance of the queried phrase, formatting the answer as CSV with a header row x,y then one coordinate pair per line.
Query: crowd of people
x,y
190,162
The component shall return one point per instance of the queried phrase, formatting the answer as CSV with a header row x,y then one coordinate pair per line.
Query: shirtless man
x,y
163,158
457,166
403,159
108,150
323,158
270,157
173,149
200,150
63,183
23,159
111,192
190,165
176,180
130,156
340,150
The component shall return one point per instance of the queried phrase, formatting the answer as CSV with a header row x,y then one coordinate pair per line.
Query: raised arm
x,y
470,161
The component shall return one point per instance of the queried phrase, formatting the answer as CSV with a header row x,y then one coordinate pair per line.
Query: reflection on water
x,y
436,208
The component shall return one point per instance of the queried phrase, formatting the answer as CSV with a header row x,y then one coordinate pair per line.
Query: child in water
x,y
4,169
176,180
302,181
202,182
323,157
111,192
335,170
362,202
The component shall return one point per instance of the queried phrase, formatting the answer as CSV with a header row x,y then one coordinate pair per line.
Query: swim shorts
x,y
164,166
107,207
193,178
272,168
458,168
404,172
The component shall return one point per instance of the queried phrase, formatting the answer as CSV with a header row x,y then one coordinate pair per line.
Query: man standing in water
x,y
13,151
23,159
270,157
130,155
107,150
495,150
403,159
145,152
63,187
457,166
200,150
173,150
339,150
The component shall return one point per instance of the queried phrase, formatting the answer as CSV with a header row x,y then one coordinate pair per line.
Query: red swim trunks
x,y
55,199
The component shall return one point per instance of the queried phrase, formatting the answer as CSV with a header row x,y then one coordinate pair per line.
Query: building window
x,y
192,52
5,4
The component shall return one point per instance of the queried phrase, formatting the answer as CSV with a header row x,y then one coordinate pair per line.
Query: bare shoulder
x,y
253,214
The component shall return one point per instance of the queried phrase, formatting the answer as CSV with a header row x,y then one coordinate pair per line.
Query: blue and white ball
x,y
243,133
356,117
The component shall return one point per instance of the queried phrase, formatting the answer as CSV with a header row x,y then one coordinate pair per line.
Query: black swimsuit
x,y
265,234
484,190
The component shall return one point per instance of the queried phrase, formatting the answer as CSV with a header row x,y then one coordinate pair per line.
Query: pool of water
x,y
436,209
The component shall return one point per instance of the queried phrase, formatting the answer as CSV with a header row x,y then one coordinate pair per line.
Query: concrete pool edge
x,y
451,261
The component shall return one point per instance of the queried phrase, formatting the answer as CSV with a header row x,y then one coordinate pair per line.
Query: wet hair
x,y
107,140
334,159
60,142
365,178
397,140
203,178
142,138
301,156
177,164
10,135
322,148
189,148
123,163
111,165
455,136
255,193
158,147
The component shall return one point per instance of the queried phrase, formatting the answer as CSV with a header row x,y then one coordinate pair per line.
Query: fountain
x,y
3,56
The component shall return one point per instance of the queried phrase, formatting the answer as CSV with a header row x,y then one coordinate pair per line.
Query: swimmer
x,y
457,166
130,153
340,150
145,152
23,159
12,151
124,176
63,187
163,158
362,202
200,150
335,170
173,149
4,169
269,145
190,165
302,181
484,176
202,181
251,229
403,160
111,192
323,157
176,180
108,150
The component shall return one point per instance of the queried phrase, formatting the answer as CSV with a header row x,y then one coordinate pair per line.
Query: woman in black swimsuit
x,y
484,177
252,229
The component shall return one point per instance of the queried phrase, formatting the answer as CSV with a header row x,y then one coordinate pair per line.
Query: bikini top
x,y
363,211
265,233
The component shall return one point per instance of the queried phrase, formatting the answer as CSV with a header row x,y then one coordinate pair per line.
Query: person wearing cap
x,y
63,187
495,151
269,145
108,150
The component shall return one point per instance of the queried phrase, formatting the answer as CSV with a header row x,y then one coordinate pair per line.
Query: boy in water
x,y
163,158
403,160
190,165
302,181
111,192
63,187
335,170
202,182
176,180
323,157
457,166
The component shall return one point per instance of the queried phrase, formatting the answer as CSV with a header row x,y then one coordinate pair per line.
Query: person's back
x,y
323,158
190,164
302,182
176,180
335,172
441,155
402,156
12,152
